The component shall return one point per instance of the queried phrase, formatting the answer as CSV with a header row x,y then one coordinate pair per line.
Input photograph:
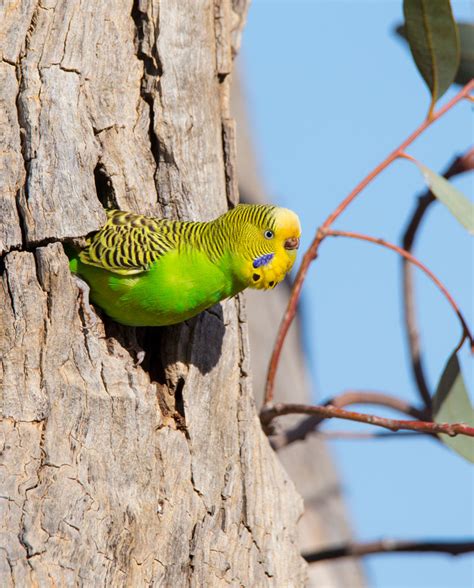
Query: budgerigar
x,y
145,271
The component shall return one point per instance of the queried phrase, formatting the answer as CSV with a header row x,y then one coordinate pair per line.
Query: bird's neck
x,y
219,241
215,238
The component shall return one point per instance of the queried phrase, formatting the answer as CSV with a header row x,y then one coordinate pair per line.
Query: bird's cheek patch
x,y
263,260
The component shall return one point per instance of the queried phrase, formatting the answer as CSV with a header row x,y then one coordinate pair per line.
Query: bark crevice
x,y
146,50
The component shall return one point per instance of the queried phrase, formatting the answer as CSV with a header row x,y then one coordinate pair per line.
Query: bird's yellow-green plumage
x,y
145,271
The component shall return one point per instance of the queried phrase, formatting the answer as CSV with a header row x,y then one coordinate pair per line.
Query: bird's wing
x,y
129,243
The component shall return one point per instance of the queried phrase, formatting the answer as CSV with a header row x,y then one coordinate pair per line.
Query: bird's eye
x,y
268,234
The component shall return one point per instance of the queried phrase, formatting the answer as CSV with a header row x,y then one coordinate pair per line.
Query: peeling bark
x,y
113,473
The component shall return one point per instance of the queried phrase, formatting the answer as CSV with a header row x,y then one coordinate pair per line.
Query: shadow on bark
x,y
165,346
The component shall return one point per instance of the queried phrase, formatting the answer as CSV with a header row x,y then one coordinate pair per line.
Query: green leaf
x,y
466,65
451,404
434,42
458,205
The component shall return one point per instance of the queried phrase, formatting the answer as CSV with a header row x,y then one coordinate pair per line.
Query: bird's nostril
x,y
292,243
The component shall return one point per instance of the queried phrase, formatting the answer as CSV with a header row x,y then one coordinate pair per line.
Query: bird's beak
x,y
292,243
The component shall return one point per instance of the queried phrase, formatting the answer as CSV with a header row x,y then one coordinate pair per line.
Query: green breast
x,y
178,286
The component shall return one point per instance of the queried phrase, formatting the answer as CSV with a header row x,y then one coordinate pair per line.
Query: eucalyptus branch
x,y
310,424
390,546
459,165
354,436
312,252
328,412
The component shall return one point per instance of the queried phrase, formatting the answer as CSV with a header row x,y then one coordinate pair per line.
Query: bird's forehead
x,y
287,221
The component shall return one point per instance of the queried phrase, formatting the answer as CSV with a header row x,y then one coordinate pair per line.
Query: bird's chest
x,y
185,281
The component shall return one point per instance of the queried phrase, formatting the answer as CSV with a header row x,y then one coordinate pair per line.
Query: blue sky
x,y
331,91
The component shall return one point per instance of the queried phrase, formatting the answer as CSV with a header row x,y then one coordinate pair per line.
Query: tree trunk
x,y
113,473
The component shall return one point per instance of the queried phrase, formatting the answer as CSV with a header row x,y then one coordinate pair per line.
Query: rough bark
x,y
112,473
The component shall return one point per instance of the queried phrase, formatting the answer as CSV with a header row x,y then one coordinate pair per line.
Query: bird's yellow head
x,y
265,239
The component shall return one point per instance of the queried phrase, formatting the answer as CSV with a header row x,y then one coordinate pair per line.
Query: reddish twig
x,y
350,436
312,252
390,546
309,425
419,264
328,412
461,164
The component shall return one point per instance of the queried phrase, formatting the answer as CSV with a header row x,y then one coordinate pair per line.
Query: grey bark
x,y
111,473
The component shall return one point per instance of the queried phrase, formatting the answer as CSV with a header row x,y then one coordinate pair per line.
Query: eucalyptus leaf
x,y
466,65
451,404
458,204
434,42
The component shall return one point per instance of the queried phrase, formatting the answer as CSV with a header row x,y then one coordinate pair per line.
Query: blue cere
x,y
263,260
